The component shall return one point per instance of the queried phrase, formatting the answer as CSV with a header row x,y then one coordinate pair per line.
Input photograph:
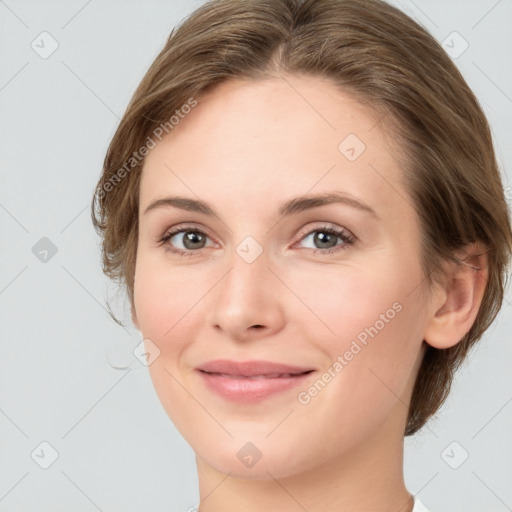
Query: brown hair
x,y
385,59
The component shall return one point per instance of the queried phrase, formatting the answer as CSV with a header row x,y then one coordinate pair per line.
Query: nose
x,y
247,301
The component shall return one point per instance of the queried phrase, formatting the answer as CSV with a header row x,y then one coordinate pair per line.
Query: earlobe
x,y
457,301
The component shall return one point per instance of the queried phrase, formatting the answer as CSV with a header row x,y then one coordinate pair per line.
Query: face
x,y
330,289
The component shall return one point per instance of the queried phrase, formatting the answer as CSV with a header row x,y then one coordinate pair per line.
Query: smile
x,y
248,389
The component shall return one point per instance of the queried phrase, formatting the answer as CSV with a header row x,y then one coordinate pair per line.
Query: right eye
x,y
184,241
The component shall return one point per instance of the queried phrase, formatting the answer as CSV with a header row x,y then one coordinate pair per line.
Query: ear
x,y
456,302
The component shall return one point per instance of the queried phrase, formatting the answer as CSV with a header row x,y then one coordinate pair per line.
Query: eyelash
x,y
340,233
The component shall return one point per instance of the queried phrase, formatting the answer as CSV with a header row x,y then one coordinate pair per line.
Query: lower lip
x,y
248,390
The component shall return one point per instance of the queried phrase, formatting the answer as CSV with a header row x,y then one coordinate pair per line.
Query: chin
x,y
255,460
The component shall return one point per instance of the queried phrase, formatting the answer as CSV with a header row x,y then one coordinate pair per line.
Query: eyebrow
x,y
293,206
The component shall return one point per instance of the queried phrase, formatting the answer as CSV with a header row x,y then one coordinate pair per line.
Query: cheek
x,y
369,325
345,302
163,298
167,305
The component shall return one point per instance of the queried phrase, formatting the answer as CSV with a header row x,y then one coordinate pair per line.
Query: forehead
x,y
264,140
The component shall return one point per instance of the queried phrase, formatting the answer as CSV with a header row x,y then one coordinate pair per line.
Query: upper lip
x,y
250,368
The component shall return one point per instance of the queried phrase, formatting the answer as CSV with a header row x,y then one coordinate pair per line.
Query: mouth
x,y
263,376
251,381
252,368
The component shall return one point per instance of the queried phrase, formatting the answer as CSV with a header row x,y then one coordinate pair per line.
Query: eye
x,y
325,239
184,241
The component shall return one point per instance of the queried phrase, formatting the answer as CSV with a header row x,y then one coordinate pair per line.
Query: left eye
x,y
326,238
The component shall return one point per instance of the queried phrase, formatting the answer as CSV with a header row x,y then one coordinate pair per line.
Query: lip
x,y
251,381
250,368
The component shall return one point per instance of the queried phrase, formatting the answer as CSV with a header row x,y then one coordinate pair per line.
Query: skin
x,y
245,149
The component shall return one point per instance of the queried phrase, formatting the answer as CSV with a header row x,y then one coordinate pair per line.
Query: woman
x,y
303,203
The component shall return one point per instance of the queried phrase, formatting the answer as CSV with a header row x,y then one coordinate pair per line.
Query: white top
x,y
418,506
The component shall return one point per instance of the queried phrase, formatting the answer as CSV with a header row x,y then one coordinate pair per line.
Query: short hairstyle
x,y
383,58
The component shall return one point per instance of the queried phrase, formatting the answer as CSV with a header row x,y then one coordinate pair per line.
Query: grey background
x,y
117,449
